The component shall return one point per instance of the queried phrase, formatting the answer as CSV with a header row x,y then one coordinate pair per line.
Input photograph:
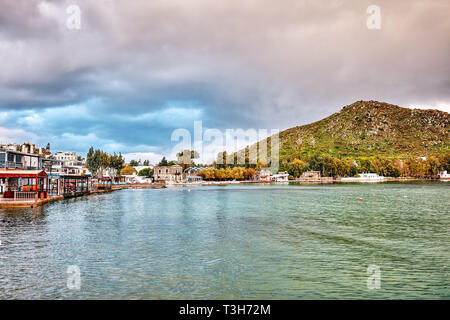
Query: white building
x,y
65,163
281,177
265,175
444,175
66,156
135,179
10,147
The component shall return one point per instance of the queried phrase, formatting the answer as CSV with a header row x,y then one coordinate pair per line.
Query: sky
x,y
132,72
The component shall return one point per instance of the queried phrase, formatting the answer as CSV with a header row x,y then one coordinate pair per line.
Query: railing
x,y
20,196
14,165
24,195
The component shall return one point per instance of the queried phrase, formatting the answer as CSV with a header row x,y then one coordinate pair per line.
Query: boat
x,y
365,177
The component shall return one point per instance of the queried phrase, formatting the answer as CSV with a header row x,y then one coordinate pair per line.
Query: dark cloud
x,y
234,64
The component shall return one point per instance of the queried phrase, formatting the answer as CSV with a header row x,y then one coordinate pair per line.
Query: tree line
x,y
99,162
228,173
383,166
329,166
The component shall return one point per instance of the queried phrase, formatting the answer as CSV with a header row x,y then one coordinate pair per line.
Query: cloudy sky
x,y
137,70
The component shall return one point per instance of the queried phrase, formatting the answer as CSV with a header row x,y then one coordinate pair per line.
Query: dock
x,y
32,203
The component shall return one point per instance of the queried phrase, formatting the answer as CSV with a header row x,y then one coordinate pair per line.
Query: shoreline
x,y
41,202
325,180
50,199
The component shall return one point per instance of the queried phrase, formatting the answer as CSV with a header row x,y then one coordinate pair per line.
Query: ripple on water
x,y
267,242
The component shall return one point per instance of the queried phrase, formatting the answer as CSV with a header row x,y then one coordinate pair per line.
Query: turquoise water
x,y
233,242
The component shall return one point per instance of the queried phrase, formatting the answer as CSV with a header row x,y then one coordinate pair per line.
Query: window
x,y
10,157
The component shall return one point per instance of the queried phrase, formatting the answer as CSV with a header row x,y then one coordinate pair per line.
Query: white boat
x,y
365,177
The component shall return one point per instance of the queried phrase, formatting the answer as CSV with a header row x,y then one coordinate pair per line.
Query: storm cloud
x,y
137,70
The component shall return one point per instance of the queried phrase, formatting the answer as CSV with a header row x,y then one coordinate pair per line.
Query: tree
x,y
250,174
147,172
116,163
98,161
444,160
146,163
92,161
128,170
134,163
296,167
163,162
208,174
185,158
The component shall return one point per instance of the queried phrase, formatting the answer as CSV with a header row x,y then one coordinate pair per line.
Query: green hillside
x,y
371,128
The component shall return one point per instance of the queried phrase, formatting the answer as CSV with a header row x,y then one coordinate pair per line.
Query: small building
x,y
444,175
20,184
73,185
191,174
281,177
132,179
311,174
369,175
168,174
62,167
265,175
193,179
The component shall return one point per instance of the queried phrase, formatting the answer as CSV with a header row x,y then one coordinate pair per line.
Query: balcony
x,y
14,165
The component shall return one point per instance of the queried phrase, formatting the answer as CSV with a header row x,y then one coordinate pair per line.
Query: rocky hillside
x,y
369,128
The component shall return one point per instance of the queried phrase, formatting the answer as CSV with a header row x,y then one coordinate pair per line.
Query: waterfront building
x,y
281,177
23,185
135,179
168,174
11,159
444,175
265,175
311,174
61,167
191,174
66,176
193,179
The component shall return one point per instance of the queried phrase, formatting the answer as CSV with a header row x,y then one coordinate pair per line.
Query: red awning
x,y
22,173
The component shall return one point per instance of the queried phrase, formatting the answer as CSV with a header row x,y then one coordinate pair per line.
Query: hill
x,y
371,128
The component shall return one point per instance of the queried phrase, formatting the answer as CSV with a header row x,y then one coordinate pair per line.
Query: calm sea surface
x,y
230,242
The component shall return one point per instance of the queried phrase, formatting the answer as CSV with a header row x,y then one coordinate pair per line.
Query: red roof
x,y
5,173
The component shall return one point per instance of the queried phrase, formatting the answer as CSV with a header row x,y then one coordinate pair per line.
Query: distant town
x,y
31,175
